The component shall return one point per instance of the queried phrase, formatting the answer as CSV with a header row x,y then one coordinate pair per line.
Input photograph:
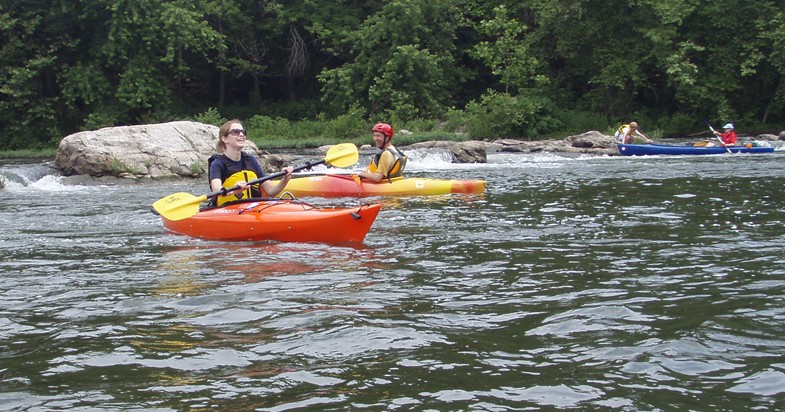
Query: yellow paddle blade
x,y
178,206
342,155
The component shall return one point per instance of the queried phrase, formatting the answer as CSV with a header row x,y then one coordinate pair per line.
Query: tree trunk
x,y
773,100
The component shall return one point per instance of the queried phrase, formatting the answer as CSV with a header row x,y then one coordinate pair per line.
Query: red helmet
x,y
385,128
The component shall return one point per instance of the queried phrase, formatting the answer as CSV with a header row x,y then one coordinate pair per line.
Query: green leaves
x,y
411,84
400,62
507,51
503,115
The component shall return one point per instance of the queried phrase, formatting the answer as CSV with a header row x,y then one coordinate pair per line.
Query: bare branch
x,y
298,59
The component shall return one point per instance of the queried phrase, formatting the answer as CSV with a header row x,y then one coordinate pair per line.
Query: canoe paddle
x,y
179,206
714,132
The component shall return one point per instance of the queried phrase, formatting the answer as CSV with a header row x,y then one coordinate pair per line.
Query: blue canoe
x,y
664,149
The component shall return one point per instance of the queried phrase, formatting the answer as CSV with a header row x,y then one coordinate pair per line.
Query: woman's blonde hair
x,y
220,146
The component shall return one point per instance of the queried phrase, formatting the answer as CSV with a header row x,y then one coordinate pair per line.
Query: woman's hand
x,y
289,170
242,184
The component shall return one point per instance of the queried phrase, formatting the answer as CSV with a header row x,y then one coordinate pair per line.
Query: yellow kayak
x,y
334,185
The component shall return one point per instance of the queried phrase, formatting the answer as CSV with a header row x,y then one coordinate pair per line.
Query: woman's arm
x,y
273,189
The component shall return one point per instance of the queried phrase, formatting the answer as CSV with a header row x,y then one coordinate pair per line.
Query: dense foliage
x,y
495,68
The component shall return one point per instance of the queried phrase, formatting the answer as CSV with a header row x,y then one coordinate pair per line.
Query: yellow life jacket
x,y
249,192
620,130
396,170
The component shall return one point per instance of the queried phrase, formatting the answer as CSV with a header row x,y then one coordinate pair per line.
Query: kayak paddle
x,y
714,132
183,205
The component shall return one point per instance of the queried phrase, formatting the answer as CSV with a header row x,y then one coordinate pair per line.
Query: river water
x,y
581,282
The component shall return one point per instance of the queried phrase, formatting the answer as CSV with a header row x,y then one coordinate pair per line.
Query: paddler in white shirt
x,y
625,133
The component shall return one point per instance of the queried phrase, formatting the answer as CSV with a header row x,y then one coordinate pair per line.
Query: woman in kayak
x,y
728,138
625,133
390,162
233,167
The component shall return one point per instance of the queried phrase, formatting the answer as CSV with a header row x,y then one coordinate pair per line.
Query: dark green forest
x,y
521,69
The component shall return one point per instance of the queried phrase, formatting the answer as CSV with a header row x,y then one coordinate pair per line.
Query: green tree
x,y
507,52
740,66
32,34
596,53
150,44
622,57
67,65
402,61
773,34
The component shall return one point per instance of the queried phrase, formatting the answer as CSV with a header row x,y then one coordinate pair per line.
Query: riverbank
x,y
404,139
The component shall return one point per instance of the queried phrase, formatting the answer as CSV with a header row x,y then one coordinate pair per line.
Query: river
x,y
574,282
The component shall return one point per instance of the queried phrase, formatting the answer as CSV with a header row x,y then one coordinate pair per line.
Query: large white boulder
x,y
154,150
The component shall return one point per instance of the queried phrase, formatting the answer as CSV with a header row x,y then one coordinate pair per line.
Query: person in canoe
x,y
728,137
233,167
390,162
626,133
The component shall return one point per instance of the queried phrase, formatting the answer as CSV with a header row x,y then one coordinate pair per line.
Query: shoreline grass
x,y
28,154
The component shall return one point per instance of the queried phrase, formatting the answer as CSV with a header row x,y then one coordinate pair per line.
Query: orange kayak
x,y
336,185
279,220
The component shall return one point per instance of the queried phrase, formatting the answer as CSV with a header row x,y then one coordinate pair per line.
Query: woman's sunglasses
x,y
236,132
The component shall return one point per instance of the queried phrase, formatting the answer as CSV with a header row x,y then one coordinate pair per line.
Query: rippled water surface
x,y
613,283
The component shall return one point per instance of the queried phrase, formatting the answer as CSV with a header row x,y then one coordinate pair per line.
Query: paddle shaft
x,y
224,191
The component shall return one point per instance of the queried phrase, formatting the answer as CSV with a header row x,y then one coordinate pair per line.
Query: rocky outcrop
x,y
768,137
154,151
592,142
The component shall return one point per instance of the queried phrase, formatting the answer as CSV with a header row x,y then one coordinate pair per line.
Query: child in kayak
x,y
624,134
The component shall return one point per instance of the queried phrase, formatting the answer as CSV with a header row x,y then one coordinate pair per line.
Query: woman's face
x,y
236,137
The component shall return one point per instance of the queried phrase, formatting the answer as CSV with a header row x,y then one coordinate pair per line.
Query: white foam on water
x,y
424,160
429,160
52,183
47,183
